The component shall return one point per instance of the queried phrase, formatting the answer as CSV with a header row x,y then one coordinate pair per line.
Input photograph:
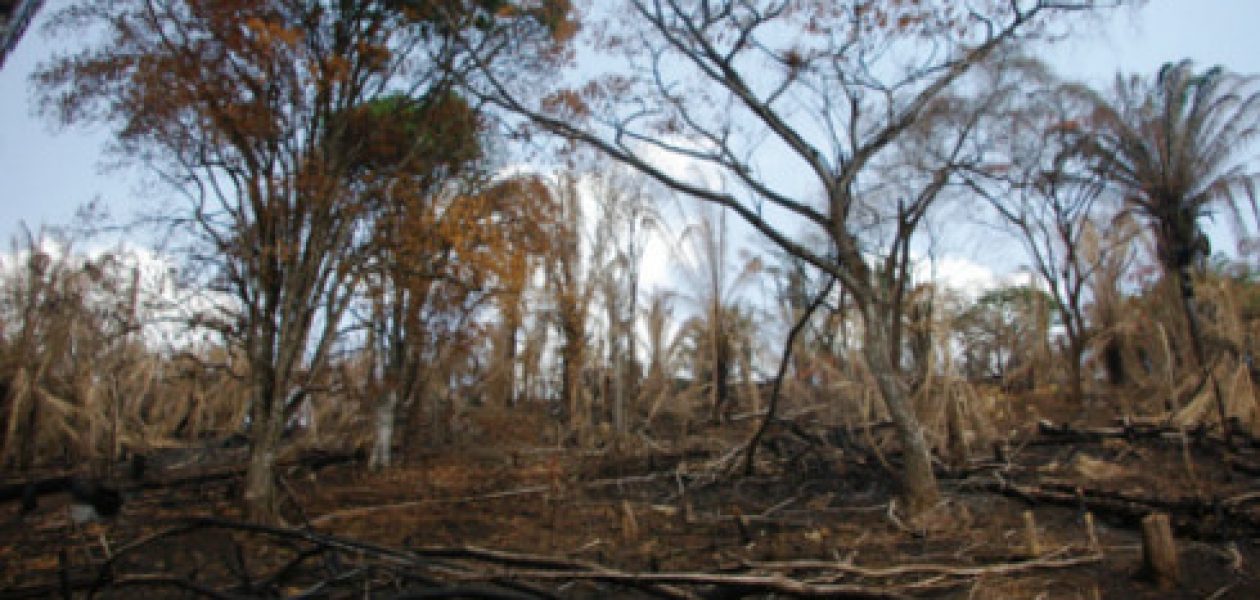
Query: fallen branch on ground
x,y
1189,514
1052,560
443,571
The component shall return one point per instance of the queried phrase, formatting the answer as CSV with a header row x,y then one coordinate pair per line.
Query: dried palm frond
x,y
1240,399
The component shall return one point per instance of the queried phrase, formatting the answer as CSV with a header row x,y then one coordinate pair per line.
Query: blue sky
x,y
47,174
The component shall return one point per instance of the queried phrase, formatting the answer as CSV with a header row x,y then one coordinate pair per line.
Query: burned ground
x,y
523,517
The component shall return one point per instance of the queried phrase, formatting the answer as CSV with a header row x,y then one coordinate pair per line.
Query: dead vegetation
x,y
453,392
506,512
1042,495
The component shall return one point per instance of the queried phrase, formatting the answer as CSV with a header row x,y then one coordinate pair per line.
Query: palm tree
x,y
1175,149
704,251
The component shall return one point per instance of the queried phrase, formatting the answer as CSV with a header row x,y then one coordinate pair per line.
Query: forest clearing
x,y
648,298
506,513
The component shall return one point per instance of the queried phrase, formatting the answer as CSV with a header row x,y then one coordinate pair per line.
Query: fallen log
x,y
313,459
1184,504
1237,464
1191,517
1051,434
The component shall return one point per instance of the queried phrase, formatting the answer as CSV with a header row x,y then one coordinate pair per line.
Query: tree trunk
x,y
1184,286
721,378
571,386
260,497
1076,383
619,394
386,412
30,435
503,380
628,383
918,482
956,434
1113,361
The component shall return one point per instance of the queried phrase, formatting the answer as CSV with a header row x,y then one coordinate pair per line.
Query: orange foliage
x,y
482,240
567,104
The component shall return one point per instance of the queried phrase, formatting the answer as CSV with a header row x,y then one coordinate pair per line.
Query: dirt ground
x,y
644,519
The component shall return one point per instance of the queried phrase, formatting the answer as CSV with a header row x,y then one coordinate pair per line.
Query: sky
x,y
47,173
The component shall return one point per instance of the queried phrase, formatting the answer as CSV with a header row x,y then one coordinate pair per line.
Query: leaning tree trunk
x,y
918,481
1184,289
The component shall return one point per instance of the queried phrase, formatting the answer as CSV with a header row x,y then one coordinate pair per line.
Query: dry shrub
x,y
524,425
339,422
1151,338
1240,400
67,339
82,385
674,411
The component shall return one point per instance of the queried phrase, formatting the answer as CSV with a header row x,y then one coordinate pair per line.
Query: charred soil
x,y
1053,513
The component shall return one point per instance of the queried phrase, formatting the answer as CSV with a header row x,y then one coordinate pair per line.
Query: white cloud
x,y
681,167
969,278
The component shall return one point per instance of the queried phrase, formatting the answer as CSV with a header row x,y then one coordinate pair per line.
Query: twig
x,y
1234,501
533,562
780,506
288,491
294,563
366,510
470,591
318,590
777,584
619,481
892,516
535,489
1047,561
1221,592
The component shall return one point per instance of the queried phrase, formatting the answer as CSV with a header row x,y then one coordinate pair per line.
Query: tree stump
x,y
629,524
1159,551
1092,531
1033,544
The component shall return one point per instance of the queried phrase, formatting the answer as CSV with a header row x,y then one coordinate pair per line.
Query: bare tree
x,y
1049,194
800,106
626,216
571,281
